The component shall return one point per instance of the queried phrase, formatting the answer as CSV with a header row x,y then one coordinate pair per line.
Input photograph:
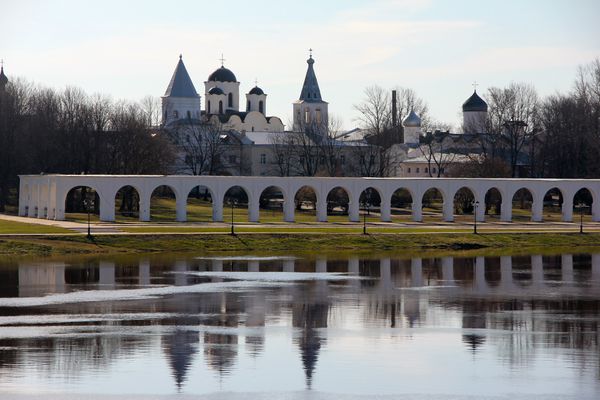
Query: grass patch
x,y
13,227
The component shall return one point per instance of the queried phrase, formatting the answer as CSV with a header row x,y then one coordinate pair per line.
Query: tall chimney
x,y
394,109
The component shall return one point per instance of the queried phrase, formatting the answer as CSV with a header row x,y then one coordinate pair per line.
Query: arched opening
x,y
79,199
208,108
553,200
305,201
464,203
433,204
199,204
261,107
162,204
271,204
248,105
521,205
235,202
370,204
493,203
401,205
230,100
127,204
220,107
337,203
582,204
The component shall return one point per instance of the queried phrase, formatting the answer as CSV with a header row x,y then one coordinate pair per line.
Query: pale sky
x,y
129,49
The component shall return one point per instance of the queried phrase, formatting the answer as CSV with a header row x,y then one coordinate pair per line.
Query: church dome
x,y
222,75
256,90
412,120
475,103
3,78
215,90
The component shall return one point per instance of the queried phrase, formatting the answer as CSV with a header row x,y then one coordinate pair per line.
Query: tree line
x,y
44,130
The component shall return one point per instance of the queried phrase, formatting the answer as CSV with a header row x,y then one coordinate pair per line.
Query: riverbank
x,y
409,243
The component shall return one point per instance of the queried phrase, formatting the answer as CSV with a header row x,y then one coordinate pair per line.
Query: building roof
x,y
310,89
3,78
181,84
256,90
215,90
475,103
222,75
412,120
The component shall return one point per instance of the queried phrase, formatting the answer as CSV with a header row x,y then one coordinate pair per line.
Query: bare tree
x,y
436,149
152,109
331,147
284,153
375,110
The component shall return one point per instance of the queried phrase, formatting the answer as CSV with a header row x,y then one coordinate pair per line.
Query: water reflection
x,y
517,308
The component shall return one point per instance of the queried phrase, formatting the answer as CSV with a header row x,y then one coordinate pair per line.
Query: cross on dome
x,y
222,60
310,52
475,84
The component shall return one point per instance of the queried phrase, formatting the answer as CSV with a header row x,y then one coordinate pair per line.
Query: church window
x,y
418,170
306,116
166,115
260,107
189,114
248,106
208,111
309,95
220,107
176,114
263,158
408,170
230,100
252,129
426,170
318,116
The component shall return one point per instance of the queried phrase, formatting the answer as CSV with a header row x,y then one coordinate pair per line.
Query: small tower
x,y
3,78
474,114
310,111
412,128
225,80
181,99
256,100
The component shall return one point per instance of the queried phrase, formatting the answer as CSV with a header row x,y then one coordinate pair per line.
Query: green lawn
x,y
12,227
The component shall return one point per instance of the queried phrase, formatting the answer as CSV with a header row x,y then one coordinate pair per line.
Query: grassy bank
x,y
409,244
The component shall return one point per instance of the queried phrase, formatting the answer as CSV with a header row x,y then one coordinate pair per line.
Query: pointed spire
x,y
181,84
310,89
3,78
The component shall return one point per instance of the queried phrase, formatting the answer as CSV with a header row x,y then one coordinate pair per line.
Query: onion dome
x,y
222,75
215,90
475,103
412,120
256,90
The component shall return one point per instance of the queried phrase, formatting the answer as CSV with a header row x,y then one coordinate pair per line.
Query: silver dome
x,y
412,120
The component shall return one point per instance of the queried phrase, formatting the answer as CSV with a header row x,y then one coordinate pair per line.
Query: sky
x,y
129,49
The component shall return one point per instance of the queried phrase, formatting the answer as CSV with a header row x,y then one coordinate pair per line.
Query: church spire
x,y
3,78
181,84
310,90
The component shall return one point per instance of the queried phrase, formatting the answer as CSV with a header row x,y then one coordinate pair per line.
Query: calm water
x,y
291,327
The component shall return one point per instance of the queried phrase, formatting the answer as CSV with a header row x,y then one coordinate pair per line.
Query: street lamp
x,y
366,206
581,207
475,204
88,204
232,202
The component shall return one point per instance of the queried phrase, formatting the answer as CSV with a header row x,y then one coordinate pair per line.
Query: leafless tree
x,y
331,147
436,149
284,153
375,110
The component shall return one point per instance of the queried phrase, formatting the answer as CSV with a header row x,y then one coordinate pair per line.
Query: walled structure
x,y
44,196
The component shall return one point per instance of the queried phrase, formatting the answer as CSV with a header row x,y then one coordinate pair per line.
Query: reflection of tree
x,y
180,348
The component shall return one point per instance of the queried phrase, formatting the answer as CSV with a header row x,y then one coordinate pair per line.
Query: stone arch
x,y
163,200
338,201
370,200
463,201
271,199
432,204
552,204
401,202
199,204
584,202
305,202
492,202
522,204
75,203
236,201
127,203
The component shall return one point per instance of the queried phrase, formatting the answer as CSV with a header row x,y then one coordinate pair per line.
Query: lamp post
x,y
475,204
88,204
232,201
366,205
581,207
